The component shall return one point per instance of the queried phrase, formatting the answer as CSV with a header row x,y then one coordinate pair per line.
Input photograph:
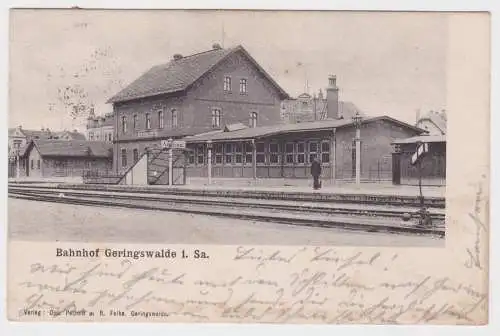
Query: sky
x,y
386,63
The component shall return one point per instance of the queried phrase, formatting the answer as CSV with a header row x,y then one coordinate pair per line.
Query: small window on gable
x,y
227,84
243,86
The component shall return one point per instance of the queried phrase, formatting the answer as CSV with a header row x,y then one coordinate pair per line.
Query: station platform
x,y
301,186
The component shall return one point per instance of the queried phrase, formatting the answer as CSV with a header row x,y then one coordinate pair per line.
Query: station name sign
x,y
173,144
419,153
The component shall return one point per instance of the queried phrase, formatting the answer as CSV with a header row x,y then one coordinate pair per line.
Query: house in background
x,y
100,128
433,122
19,138
306,108
46,158
191,95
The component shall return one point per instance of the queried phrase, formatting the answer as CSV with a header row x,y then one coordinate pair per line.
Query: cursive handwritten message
x,y
246,284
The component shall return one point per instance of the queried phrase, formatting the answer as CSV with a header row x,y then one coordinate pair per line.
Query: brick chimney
x,y
332,98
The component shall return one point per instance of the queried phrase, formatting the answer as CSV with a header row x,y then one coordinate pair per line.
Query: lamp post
x,y
424,217
357,123
170,163
18,170
209,159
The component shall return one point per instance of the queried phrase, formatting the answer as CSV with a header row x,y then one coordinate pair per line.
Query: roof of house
x,y
74,148
438,119
74,135
421,138
264,131
347,109
179,74
46,134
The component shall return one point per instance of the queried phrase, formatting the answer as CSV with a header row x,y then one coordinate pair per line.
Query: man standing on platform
x,y
316,173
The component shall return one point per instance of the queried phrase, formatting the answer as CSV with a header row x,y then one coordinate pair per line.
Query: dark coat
x,y
315,168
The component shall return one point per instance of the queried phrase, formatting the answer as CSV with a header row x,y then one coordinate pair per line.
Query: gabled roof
x,y
436,121
436,118
178,75
46,134
72,148
72,135
33,134
264,131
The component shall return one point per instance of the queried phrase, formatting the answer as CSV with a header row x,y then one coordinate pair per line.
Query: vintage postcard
x,y
248,166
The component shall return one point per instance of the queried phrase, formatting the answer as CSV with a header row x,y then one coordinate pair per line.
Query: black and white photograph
x,y
248,166
317,132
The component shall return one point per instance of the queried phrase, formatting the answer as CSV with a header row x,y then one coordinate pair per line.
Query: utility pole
x,y
209,163
357,123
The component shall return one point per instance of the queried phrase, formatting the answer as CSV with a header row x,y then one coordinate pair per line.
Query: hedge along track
x,y
315,216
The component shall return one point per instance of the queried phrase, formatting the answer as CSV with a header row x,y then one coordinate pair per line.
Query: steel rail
x,y
317,208
326,222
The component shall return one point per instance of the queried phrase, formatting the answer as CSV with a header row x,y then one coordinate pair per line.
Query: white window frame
x,y
148,121
161,119
254,115
123,158
243,86
227,84
124,124
216,117
175,118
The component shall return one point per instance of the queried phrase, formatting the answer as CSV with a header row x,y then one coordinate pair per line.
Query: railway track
x,y
317,197
275,206
350,217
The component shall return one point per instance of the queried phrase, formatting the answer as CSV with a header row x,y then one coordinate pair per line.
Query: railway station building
x,y
229,111
286,151
191,95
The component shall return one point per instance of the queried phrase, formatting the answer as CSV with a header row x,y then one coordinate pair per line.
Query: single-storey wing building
x,y
433,164
286,151
65,158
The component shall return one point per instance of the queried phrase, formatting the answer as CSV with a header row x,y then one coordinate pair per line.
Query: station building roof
x,y
70,148
421,138
266,131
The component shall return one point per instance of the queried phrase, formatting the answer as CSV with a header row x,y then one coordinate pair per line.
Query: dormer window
x,y
253,119
227,84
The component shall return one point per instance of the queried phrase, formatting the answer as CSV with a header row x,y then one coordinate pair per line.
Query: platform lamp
x,y
17,158
357,123
423,215
209,161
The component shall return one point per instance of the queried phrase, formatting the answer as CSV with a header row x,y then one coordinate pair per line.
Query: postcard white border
x,y
176,329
